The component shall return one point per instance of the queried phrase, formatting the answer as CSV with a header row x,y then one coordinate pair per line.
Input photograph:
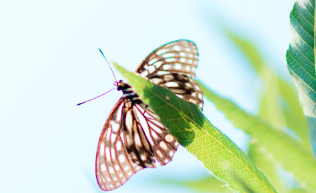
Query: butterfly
x,y
133,137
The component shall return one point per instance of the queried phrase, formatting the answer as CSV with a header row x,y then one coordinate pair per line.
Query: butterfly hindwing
x,y
183,86
136,142
163,144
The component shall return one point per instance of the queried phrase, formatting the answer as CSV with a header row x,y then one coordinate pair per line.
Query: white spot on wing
x,y
163,145
162,73
154,127
176,48
151,69
161,51
200,96
178,66
168,77
113,137
166,67
172,84
188,85
156,80
119,145
113,153
111,170
115,126
117,167
158,64
169,138
129,120
182,54
152,61
180,96
159,153
154,134
102,149
144,73
187,68
137,140
170,59
107,153
182,59
121,158
168,55
119,114
192,101
103,168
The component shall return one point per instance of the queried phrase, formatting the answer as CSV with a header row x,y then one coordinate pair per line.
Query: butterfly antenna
x,y
108,63
95,97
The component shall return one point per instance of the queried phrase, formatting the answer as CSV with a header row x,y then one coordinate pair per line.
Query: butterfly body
x,y
133,137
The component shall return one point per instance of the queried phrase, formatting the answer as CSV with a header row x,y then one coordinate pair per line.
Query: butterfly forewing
x,y
130,139
113,164
175,57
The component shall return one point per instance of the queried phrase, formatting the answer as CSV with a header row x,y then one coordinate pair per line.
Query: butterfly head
x,y
120,85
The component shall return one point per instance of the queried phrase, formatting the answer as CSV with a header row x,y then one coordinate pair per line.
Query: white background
x,y
50,62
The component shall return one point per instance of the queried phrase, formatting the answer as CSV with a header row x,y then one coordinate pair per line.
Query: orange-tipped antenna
x,y
108,63
95,97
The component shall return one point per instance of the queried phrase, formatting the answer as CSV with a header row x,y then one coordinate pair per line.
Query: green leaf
x,y
301,60
209,184
287,152
289,115
260,159
214,149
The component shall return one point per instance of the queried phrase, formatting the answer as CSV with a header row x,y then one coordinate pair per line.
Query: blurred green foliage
x,y
279,106
300,59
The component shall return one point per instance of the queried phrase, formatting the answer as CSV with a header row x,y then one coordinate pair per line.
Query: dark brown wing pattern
x,y
130,139
172,66
179,56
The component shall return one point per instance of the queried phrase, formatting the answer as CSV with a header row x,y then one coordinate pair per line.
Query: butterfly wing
x,y
131,137
113,164
173,66
163,145
179,56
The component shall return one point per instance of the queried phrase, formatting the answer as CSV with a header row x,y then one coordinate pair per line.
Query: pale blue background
x,y
50,62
